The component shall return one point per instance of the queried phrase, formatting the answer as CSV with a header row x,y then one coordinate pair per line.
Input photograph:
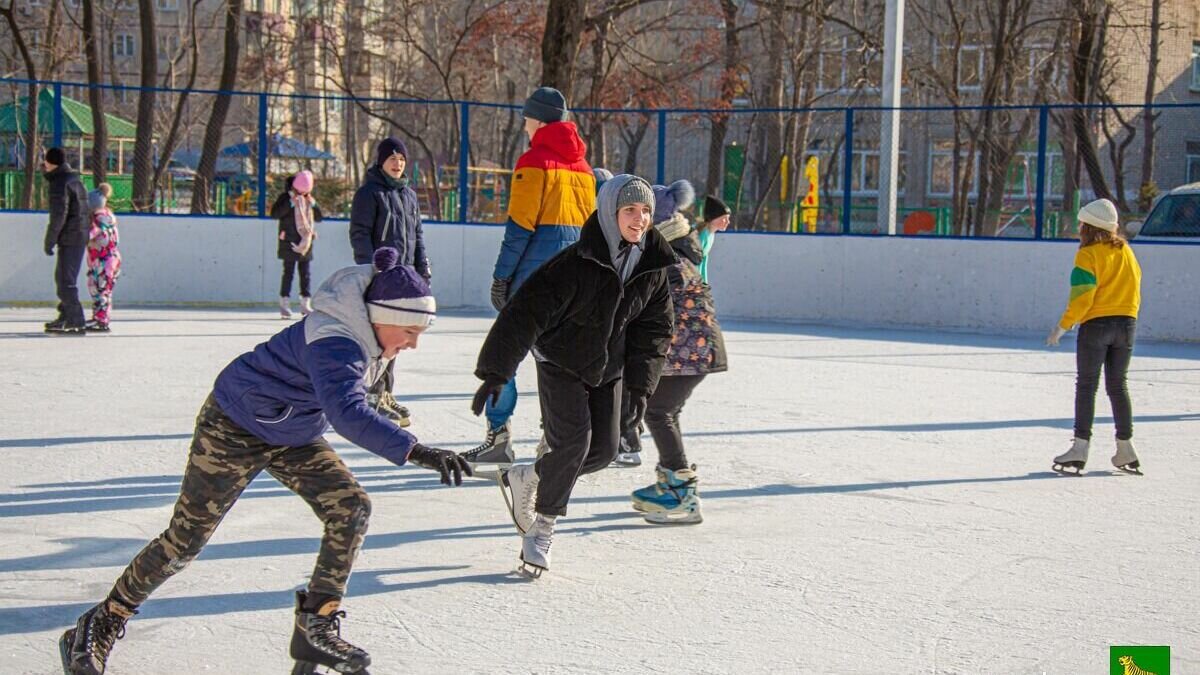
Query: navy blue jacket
x,y
385,213
314,374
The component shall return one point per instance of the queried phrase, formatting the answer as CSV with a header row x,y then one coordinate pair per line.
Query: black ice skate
x,y
316,641
385,404
63,327
85,648
494,456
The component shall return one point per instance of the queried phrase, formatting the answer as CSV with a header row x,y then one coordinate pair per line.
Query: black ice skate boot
x,y
85,648
316,640
494,456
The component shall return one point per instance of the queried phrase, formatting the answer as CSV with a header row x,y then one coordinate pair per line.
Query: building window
x,y
123,45
168,47
1196,65
941,170
1193,168
167,5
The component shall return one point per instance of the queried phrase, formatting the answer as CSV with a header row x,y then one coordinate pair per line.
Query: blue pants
x,y
499,414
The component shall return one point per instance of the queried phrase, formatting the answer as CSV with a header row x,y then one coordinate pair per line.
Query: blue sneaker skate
x,y
672,500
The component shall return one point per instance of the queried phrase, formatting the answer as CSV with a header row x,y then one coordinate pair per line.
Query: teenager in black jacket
x,y
68,231
598,318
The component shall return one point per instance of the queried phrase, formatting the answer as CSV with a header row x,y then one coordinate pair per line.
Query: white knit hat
x,y
1100,213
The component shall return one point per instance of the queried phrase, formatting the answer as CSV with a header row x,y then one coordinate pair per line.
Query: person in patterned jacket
x,y
553,193
697,349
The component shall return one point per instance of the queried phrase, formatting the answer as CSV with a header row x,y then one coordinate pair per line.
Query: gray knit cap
x,y
636,191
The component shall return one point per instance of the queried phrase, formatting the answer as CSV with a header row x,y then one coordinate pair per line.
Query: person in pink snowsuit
x,y
103,257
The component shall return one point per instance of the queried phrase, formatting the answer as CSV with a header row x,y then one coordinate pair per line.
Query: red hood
x,y
562,139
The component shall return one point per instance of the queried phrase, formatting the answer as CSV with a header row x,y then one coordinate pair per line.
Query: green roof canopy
x,y
77,118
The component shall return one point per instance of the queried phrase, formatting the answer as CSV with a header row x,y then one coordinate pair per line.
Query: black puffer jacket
x,y
385,212
579,316
70,223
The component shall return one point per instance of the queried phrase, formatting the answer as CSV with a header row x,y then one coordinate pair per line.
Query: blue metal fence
x,y
665,121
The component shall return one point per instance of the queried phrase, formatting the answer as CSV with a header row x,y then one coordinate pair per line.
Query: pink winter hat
x,y
303,182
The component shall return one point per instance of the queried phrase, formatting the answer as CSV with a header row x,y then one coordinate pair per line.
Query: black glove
x,y
490,388
49,248
444,462
499,293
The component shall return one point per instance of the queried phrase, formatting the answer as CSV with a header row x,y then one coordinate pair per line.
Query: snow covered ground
x,y
875,501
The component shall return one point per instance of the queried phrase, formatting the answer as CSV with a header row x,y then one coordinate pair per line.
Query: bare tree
x,y
202,192
1148,190
31,104
143,146
730,83
95,93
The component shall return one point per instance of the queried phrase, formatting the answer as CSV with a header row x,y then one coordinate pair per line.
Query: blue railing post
x,y
1040,200
847,170
464,156
660,172
58,115
263,153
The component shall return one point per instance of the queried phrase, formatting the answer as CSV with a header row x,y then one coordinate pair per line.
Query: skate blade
x,y
64,650
310,668
530,571
489,471
1066,468
1131,469
674,517
508,500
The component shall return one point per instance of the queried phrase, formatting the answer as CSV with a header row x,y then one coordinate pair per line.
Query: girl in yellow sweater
x,y
1105,293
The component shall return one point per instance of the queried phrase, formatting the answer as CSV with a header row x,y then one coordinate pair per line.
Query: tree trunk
x,y
729,81
597,139
95,94
565,21
143,147
1149,117
770,137
1083,70
173,135
31,106
202,195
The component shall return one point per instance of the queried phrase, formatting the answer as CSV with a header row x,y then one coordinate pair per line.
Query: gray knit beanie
x,y
636,191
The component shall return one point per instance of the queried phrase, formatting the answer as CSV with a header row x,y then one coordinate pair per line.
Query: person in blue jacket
x,y
385,212
268,410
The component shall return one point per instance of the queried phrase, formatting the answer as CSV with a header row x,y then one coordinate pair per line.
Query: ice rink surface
x,y
875,501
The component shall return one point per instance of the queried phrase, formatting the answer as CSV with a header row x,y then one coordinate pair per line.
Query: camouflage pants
x,y
224,458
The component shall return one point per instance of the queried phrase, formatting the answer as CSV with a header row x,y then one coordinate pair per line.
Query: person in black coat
x,y
385,212
68,231
297,213
598,319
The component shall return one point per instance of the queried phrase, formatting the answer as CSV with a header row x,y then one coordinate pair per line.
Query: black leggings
x,y
285,284
662,418
1108,342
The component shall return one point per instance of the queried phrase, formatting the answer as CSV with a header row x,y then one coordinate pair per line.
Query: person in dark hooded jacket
x,y
385,212
68,230
268,411
598,319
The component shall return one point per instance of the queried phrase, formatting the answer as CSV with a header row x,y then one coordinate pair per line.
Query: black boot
x,y
84,648
316,640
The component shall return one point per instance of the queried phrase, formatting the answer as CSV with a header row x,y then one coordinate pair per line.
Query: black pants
x,y
1108,342
582,426
662,418
285,284
66,283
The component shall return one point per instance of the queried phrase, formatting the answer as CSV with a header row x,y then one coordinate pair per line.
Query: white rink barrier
x,y
977,285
